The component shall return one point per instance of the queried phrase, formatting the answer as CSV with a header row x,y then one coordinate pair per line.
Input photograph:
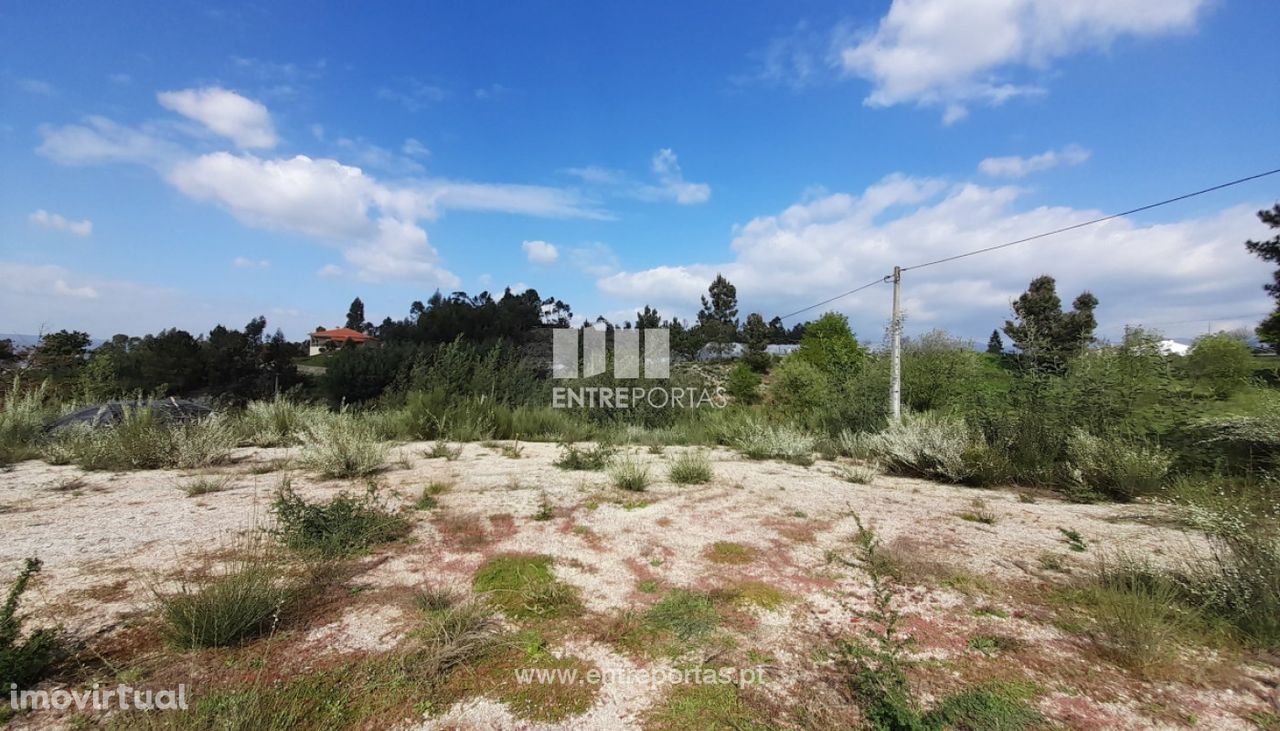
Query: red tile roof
x,y
342,333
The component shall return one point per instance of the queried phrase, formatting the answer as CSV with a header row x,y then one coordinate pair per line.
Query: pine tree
x,y
995,346
756,335
648,318
1043,332
355,315
718,318
1269,330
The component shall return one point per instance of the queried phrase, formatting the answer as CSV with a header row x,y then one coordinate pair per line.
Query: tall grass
x,y
690,468
279,422
240,601
1116,468
23,414
344,446
758,440
629,473
342,527
142,440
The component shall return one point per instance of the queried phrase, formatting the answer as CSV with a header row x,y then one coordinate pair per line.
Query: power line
x,y
1082,224
1054,232
872,283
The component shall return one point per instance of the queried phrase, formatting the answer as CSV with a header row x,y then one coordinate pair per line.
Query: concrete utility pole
x,y
895,362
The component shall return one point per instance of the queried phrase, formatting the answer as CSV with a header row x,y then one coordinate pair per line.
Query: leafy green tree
x,y
1269,251
355,316
1043,332
995,346
829,345
1220,363
756,335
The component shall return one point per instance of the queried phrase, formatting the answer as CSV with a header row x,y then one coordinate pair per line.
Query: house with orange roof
x,y
325,340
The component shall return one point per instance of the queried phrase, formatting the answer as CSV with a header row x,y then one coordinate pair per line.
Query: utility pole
x,y
895,362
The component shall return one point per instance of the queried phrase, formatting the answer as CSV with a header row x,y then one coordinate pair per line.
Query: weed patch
x,y
525,587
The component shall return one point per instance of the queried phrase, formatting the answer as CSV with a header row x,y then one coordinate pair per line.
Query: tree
x,y
995,346
830,346
1220,363
756,334
648,318
1043,332
718,318
355,316
60,356
1269,250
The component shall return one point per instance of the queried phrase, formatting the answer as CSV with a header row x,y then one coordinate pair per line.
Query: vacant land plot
x,y
513,563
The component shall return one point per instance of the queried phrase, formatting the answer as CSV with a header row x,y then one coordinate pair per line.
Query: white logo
x,y
626,352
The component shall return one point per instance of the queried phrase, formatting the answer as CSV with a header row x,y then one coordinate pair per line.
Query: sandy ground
x,y
107,539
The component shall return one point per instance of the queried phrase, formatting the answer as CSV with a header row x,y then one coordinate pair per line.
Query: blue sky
x,y
183,164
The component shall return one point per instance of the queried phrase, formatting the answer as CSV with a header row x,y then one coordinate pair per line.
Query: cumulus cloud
x,y
57,222
672,183
540,252
1018,167
244,121
25,286
1141,272
953,53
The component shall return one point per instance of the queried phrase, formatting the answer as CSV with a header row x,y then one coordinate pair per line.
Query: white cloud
x,y
414,148
241,262
1191,268
366,154
796,59
664,166
34,285
673,185
57,222
953,53
100,140
1018,167
540,252
245,122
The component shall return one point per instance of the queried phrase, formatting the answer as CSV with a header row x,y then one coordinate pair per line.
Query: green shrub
x,y
342,527
629,473
929,446
25,661
343,446
1219,363
690,468
758,440
143,441
573,457
859,474
23,414
743,384
800,391
688,615
242,601
279,422
1116,468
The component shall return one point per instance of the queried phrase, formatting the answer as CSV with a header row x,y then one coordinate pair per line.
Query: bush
x,y
629,473
1116,468
23,415
143,441
244,600
573,457
743,384
278,422
341,527
690,468
343,446
800,391
758,440
928,446
27,661
1220,364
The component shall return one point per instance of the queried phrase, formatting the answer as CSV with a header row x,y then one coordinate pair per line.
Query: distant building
x,y
782,348
323,340
729,351
1173,347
